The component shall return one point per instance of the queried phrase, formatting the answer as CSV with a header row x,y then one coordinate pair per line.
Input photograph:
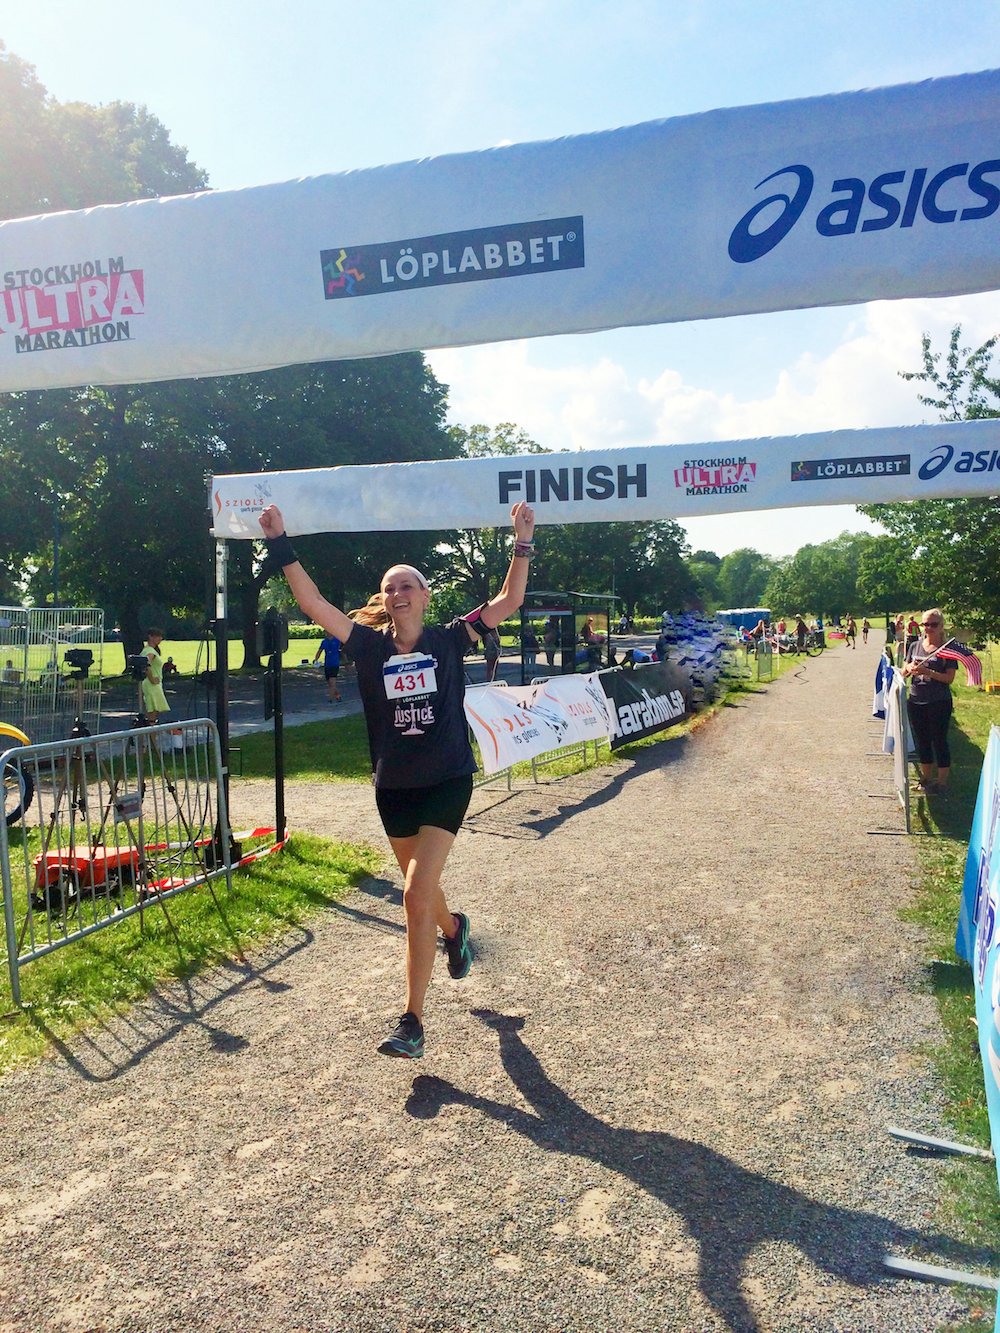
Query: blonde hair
x,y
934,611
373,613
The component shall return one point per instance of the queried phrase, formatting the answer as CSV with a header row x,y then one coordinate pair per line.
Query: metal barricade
x,y
42,691
764,660
109,826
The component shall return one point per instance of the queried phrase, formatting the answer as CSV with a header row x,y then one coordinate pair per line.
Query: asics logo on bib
x,y
956,193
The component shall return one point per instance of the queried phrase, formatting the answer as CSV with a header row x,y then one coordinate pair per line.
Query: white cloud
x,y
595,401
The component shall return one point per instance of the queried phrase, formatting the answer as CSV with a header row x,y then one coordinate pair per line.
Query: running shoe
x,y
407,1042
457,948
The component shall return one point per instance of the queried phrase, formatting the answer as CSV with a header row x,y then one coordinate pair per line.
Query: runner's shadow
x,y
727,1210
645,761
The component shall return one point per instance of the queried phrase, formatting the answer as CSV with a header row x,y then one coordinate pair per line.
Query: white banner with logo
x,y
517,722
887,193
610,485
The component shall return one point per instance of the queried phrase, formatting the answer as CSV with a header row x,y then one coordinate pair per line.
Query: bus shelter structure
x,y
573,630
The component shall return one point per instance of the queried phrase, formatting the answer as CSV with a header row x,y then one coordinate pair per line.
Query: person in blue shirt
x,y
330,650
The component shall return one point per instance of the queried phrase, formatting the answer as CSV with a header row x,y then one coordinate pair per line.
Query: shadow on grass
x,y
951,814
104,1050
727,1210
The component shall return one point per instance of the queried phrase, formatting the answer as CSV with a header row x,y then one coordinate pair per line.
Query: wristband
x,y
524,550
280,549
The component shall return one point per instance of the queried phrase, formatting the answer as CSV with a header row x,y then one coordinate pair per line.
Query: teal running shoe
x,y
407,1042
458,949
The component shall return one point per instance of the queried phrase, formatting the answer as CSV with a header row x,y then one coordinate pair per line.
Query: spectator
x,y
491,651
929,703
550,637
169,669
154,701
329,649
529,649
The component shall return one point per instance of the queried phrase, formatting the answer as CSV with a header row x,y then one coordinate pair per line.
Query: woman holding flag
x,y
930,668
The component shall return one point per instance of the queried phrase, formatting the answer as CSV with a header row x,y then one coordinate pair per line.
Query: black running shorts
x,y
404,810
331,673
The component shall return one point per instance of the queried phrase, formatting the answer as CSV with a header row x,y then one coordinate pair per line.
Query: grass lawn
x,y
971,1203
87,982
185,653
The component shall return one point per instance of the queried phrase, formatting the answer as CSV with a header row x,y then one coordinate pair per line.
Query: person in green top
x,y
154,701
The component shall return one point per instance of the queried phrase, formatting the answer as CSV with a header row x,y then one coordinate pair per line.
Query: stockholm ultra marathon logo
x,y
715,476
895,198
60,306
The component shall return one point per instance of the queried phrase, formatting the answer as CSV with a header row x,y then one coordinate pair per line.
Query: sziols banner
x,y
883,194
516,722
615,485
978,937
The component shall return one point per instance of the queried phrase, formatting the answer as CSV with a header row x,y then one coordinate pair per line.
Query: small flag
x,y
957,652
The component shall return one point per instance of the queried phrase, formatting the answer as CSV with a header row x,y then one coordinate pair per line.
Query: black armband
x,y
475,619
280,550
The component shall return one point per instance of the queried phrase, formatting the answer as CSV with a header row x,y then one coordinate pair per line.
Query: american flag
x,y
957,652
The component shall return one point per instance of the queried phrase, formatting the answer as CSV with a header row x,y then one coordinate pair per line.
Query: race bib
x,y
409,676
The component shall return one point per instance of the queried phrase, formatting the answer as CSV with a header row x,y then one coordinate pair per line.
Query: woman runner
x,y
412,682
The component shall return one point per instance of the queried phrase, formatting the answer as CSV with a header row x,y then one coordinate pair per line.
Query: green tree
x,y
705,573
818,579
743,576
481,441
478,557
887,578
643,563
56,155
133,459
950,545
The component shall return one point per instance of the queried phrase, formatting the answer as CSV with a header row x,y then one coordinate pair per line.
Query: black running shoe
x,y
407,1042
458,950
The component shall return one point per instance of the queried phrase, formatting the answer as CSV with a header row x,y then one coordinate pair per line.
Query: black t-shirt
x,y
415,741
922,690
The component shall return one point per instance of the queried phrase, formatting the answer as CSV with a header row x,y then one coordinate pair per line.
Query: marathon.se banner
x,y
645,699
978,938
613,485
888,193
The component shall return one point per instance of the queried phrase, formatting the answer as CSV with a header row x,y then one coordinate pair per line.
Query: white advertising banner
x,y
517,722
887,193
611,485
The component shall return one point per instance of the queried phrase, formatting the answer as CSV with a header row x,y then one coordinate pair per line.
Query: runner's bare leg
x,y
421,859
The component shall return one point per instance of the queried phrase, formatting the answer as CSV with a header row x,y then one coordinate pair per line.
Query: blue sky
x,y
262,91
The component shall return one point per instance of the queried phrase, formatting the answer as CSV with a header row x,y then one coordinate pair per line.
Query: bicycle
x,y
18,784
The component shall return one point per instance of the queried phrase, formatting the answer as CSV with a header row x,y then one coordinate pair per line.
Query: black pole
x,y
55,550
279,747
221,627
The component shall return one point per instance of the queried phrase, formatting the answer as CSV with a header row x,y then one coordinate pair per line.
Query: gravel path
x,y
656,1103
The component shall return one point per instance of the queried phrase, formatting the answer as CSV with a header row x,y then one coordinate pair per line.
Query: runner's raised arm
x,y
311,601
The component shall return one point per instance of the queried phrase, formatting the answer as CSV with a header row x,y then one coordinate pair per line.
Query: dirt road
x,y
656,1103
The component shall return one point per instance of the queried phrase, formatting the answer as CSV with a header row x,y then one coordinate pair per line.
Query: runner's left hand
x,y
523,519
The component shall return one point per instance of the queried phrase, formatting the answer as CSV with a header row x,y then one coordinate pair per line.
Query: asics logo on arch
x,y
954,193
